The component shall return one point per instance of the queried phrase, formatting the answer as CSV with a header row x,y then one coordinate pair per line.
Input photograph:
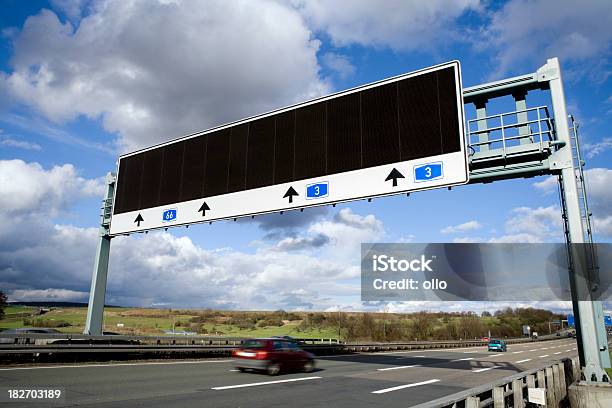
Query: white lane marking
x,y
115,365
399,387
480,370
544,348
420,356
462,359
470,352
399,367
558,352
517,352
533,350
229,387
568,350
523,361
495,355
545,355
234,370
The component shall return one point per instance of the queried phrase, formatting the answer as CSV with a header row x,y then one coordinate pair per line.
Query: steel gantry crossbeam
x,y
525,142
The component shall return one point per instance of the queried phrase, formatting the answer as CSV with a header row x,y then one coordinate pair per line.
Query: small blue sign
x,y
571,322
169,215
426,172
317,190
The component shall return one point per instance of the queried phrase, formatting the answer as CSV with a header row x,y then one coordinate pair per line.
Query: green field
x,y
348,326
149,321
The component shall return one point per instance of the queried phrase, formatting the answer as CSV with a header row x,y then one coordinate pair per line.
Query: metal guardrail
x,y
66,343
554,377
60,338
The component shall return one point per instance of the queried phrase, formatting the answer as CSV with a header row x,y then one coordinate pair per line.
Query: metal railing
x,y
502,132
513,391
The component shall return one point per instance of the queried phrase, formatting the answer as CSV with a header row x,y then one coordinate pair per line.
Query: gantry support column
x,y
95,308
594,355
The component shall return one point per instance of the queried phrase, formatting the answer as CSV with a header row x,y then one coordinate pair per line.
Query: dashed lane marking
x,y
400,387
398,368
523,361
480,370
229,387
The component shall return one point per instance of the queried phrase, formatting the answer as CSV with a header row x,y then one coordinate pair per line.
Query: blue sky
x,y
83,81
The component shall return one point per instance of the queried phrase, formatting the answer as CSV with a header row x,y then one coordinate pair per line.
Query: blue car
x,y
497,345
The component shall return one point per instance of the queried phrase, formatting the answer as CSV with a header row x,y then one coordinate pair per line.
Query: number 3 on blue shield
x,y
427,172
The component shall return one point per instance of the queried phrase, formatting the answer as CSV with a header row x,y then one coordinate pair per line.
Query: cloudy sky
x,y
83,81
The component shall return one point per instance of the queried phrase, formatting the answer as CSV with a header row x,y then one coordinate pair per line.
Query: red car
x,y
272,356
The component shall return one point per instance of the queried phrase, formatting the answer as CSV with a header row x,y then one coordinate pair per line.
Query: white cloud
x,y
547,185
28,187
468,240
519,238
345,232
602,225
49,295
19,144
349,218
523,224
466,226
338,63
598,182
530,31
595,149
155,70
161,267
538,224
401,25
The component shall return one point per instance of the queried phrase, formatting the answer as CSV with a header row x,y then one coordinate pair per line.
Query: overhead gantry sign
x,y
394,136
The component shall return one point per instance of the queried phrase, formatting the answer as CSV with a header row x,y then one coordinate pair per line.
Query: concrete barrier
x,y
585,394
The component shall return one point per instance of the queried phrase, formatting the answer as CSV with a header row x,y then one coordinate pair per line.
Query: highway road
x,y
393,379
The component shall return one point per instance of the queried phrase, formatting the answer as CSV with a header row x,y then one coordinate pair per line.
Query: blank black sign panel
x,y
398,120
